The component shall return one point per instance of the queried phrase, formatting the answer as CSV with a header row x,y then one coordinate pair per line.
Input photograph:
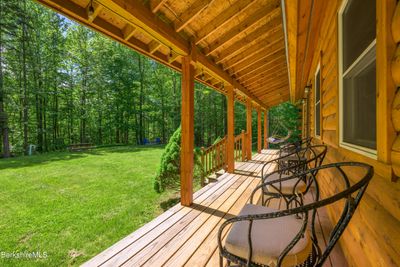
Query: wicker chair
x,y
262,236
293,190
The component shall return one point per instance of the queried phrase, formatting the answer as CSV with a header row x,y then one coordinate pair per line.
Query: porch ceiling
x,y
238,43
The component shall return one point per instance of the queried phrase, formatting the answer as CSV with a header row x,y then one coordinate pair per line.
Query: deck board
x,y
187,236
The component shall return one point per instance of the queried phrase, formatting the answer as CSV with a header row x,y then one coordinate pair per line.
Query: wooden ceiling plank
x,y
251,51
137,14
271,92
203,61
249,40
155,5
260,62
245,25
190,14
258,56
223,18
281,67
266,64
270,87
263,80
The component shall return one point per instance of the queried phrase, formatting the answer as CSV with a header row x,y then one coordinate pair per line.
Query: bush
x,y
168,173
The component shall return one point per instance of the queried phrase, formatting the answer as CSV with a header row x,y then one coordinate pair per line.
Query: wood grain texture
x,y
187,137
372,235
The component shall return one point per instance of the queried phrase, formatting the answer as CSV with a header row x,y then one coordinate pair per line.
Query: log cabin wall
x,y
373,236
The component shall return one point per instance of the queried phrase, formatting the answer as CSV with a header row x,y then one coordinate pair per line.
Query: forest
x,y
61,84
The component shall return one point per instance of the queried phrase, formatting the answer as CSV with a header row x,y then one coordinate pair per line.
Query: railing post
x,y
203,167
243,146
248,128
259,135
266,129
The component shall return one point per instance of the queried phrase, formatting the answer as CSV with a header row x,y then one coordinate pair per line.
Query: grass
x,y
72,206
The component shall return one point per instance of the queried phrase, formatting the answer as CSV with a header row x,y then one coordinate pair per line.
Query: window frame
x,y
318,70
371,153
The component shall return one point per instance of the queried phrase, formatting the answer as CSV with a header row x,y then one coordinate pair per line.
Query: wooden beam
x,y
137,14
187,127
128,31
266,129
190,14
155,5
259,144
173,57
244,26
203,61
249,40
248,129
292,30
154,46
230,145
96,10
223,18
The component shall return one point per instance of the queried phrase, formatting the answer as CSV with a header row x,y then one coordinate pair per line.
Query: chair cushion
x,y
269,238
286,187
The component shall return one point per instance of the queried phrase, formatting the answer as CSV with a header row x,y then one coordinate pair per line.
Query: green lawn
x,y
74,205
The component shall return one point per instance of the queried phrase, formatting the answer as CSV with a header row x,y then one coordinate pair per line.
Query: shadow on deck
x,y
187,236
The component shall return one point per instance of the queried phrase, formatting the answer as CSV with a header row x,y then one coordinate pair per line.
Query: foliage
x,y
75,205
65,84
282,118
168,173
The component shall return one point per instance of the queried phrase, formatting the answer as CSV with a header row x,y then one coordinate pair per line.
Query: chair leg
x,y
221,261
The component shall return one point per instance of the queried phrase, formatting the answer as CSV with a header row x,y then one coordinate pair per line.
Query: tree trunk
x,y
3,114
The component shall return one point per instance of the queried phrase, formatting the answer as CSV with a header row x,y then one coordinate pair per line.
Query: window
x,y
317,110
357,76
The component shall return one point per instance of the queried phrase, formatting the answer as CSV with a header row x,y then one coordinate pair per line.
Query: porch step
x,y
212,178
220,172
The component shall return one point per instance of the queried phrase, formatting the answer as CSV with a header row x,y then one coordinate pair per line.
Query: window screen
x,y
359,73
358,29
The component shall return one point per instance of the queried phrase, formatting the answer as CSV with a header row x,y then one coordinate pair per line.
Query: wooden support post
x,y
230,145
248,129
187,128
266,129
259,134
243,143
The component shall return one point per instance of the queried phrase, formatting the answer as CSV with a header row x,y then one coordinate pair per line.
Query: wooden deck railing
x,y
213,158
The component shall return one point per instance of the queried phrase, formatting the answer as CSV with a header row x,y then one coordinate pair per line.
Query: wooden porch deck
x,y
187,236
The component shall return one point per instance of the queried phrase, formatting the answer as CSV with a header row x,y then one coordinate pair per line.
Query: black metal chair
x,y
262,236
293,190
294,146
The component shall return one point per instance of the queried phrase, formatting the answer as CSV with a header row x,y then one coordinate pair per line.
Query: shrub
x,y
168,173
